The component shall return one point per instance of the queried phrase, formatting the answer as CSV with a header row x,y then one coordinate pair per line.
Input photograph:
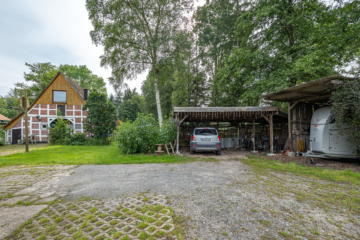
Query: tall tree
x,y
215,25
101,116
137,35
281,44
40,75
84,77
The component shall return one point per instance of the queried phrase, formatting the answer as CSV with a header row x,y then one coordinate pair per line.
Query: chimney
x,y
86,93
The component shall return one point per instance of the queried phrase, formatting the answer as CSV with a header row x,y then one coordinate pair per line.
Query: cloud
x,y
56,31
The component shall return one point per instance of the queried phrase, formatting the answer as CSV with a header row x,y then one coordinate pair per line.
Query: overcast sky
x,y
56,31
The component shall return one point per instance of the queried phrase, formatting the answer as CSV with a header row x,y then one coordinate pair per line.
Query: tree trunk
x,y
157,91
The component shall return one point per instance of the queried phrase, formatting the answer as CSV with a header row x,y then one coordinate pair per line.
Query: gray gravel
x,y
222,200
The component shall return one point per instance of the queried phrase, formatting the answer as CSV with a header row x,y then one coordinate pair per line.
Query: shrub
x,y
141,135
60,133
2,138
78,139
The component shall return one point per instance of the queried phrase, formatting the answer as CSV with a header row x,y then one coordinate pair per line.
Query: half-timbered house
x,y
62,95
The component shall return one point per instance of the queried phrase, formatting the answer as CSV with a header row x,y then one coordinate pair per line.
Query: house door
x,y
16,135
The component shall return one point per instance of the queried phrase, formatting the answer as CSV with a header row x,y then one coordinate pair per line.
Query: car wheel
x,y
218,152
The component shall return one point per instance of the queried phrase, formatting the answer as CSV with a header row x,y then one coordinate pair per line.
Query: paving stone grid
x,y
31,184
131,218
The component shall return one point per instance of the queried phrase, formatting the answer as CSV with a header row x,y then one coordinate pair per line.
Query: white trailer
x,y
329,139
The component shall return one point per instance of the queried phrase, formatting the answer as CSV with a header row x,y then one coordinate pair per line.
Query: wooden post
x,y
242,133
271,123
178,129
253,122
26,122
289,125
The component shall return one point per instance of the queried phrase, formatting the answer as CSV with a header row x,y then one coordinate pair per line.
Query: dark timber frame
x,y
303,100
236,115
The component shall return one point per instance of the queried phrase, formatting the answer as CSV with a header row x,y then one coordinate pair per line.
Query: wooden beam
x,y
271,133
178,129
253,123
289,125
184,118
293,105
305,99
263,116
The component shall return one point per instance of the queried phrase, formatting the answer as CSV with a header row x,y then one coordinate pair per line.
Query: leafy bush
x,y
60,133
78,139
2,138
346,108
141,135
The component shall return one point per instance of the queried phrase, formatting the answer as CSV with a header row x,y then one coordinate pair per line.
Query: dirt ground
x,y
325,163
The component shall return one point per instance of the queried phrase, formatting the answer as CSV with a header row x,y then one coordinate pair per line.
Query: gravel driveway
x,y
226,199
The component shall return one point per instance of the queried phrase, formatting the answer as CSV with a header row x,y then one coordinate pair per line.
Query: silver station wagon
x,y
205,139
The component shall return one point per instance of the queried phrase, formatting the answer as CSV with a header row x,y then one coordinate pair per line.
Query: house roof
x,y
314,91
77,88
3,118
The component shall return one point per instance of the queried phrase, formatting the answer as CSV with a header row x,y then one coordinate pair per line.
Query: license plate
x,y
206,139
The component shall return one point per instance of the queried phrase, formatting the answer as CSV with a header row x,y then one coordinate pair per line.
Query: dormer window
x,y
59,96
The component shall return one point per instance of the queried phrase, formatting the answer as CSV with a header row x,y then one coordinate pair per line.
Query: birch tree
x,y
137,35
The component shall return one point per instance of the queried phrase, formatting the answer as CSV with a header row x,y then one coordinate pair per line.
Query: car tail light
x,y
194,145
217,145
315,125
218,138
193,138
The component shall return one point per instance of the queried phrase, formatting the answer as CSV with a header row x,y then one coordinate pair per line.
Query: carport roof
x,y
227,114
315,91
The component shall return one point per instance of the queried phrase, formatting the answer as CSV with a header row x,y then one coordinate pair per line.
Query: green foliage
x,y
166,90
346,108
84,77
78,139
8,101
60,133
141,135
2,138
254,47
168,131
101,116
40,75
129,108
137,35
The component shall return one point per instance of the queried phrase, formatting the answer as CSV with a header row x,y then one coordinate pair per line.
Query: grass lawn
x,y
261,164
78,155
17,148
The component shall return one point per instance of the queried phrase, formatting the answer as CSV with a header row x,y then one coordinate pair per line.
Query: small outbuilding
x,y
3,120
303,100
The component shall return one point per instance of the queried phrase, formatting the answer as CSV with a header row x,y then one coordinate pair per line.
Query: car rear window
x,y
205,132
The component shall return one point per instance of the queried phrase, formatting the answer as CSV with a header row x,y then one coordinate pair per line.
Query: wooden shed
x,y
303,100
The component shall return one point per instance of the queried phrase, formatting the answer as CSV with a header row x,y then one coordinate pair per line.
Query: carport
x,y
237,116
